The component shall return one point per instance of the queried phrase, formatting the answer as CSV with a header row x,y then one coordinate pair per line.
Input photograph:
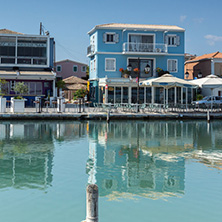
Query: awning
x,y
27,75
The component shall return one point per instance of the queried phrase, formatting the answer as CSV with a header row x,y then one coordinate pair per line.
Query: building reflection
x,y
146,158
26,155
27,151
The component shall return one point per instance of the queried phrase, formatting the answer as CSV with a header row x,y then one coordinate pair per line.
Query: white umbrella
x,y
210,82
167,81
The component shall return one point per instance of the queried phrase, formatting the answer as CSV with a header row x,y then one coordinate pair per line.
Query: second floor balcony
x,y
144,48
90,50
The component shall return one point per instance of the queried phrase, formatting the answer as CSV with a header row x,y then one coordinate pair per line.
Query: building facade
x,y
204,65
67,68
29,59
114,46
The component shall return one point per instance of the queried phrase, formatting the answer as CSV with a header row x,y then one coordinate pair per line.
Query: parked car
x,y
208,100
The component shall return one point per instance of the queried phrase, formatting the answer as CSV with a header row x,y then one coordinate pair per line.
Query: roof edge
x,y
132,28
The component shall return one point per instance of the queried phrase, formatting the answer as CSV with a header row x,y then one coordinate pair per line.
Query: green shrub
x,y
199,97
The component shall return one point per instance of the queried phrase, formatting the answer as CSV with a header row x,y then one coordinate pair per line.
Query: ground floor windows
x,y
125,95
160,95
111,94
34,88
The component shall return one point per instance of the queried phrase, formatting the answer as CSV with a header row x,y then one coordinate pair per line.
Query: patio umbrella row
x,y
168,81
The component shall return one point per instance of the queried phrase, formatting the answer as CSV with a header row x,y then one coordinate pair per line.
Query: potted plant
x,y
125,73
160,71
2,93
18,102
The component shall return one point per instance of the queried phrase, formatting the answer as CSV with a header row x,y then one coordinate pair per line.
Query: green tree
x,y
3,89
21,89
60,84
80,93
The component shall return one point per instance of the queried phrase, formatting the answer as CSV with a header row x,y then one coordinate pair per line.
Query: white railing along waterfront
x,y
145,47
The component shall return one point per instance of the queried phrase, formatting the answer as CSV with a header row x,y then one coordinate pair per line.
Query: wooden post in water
x,y
208,116
92,195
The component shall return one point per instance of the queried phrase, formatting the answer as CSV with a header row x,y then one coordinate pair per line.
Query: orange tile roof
x,y
217,55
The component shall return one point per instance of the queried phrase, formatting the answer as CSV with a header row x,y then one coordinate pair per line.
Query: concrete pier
x,y
50,114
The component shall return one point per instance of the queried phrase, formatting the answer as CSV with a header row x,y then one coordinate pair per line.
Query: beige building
x,y
204,65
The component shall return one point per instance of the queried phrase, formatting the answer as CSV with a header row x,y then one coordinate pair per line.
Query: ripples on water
x,y
128,160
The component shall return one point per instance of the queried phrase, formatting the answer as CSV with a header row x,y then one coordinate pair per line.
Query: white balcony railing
x,y
144,47
90,50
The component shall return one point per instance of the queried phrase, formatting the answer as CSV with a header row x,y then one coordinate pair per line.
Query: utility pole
x,y
40,28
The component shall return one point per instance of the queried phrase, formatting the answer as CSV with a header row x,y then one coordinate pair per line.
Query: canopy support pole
x,y
167,96
164,96
186,97
153,95
181,94
175,96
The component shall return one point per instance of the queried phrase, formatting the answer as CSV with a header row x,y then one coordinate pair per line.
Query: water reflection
x,y
126,159
24,163
148,158
27,151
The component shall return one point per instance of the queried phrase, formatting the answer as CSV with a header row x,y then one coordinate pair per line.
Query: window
x,y
94,64
12,85
172,65
91,66
75,68
173,40
59,68
110,37
83,69
110,64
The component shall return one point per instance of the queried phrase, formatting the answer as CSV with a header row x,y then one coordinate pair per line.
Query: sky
x,y
68,21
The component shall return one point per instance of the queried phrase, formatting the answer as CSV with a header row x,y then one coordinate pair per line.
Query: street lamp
x,y
129,68
186,74
146,70
199,74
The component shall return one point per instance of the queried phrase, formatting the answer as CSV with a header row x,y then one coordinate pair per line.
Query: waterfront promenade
x,y
90,113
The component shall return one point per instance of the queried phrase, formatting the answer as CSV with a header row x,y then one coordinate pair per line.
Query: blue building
x,y
115,46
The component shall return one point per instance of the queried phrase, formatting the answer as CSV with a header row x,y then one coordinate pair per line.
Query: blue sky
x,y
68,21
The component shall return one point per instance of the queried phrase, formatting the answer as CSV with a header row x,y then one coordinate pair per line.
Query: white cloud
x,y
182,18
212,39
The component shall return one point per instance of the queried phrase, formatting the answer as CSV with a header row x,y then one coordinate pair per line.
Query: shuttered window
x,y
172,65
172,40
109,37
110,64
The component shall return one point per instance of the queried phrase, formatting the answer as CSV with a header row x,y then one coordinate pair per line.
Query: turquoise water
x,y
146,171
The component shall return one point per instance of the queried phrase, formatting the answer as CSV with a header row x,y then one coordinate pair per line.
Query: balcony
x,y
90,50
144,48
